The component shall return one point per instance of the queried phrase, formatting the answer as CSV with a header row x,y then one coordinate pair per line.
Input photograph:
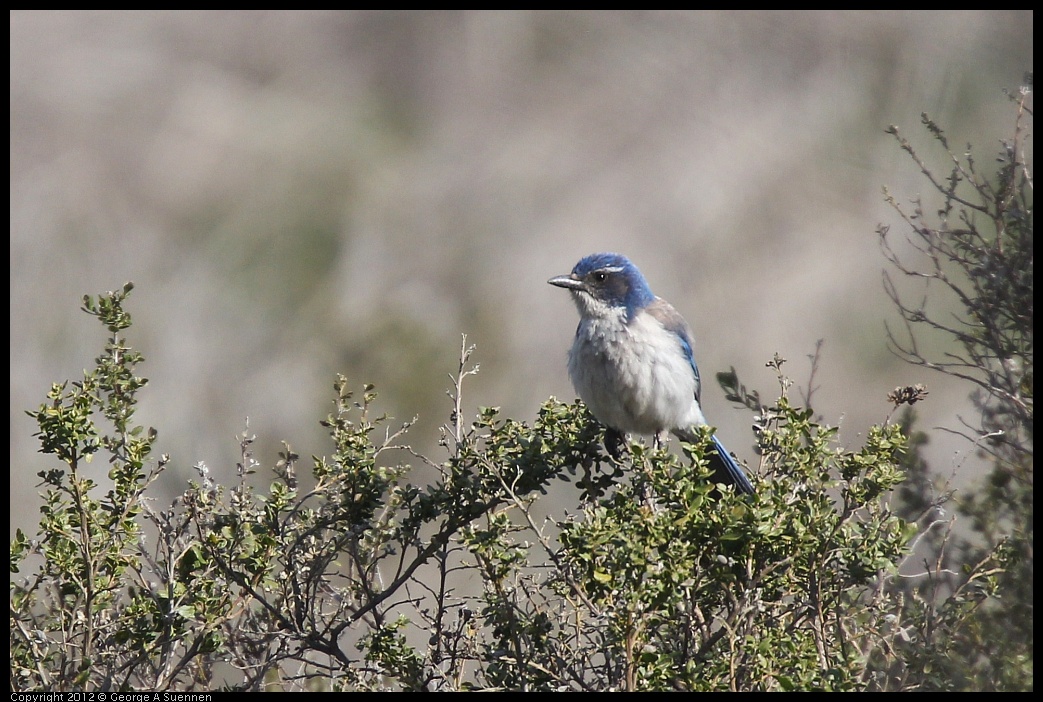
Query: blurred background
x,y
300,194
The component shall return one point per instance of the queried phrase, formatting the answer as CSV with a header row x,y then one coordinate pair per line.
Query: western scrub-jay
x,y
632,362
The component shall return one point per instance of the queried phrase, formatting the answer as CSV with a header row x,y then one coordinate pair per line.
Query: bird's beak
x,y
568,282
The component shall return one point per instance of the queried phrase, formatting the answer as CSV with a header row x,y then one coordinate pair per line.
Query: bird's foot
x,y
659,440
614,441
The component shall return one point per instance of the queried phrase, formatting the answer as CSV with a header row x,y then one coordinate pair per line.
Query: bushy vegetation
x,y
970,613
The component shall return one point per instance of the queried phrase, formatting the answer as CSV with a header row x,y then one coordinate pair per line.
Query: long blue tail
x,y
726,470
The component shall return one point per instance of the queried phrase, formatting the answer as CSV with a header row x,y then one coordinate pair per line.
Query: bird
x,y
632,361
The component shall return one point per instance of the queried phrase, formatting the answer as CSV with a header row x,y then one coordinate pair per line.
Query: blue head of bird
x,y
605,284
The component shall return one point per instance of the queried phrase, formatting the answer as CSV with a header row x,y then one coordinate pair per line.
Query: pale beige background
x,y
298,194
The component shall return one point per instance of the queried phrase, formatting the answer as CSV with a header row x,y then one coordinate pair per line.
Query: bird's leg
x,y
613,441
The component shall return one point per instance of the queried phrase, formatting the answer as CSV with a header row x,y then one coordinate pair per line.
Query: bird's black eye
x,y
599,276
